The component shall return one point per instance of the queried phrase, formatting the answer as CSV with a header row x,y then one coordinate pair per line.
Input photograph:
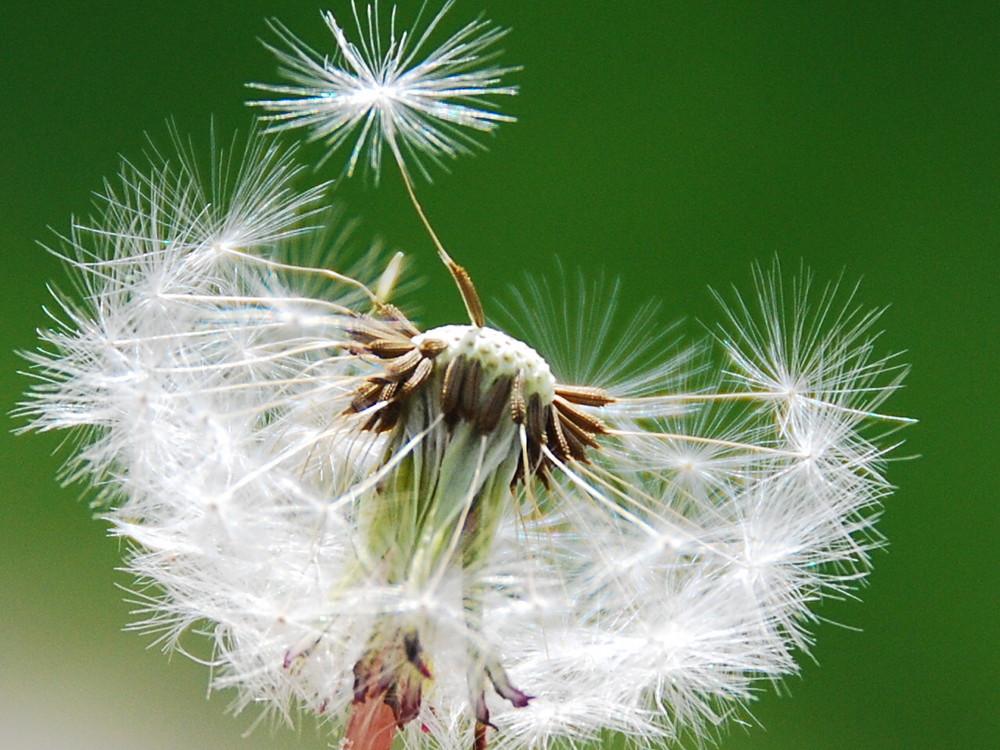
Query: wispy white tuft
x,y
392,89
643,584
519,536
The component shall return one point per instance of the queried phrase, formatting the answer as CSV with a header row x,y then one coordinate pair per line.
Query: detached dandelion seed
x,y
454,537
385,91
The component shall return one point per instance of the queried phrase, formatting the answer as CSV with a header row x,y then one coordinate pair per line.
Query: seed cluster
x,y
484,374
405,366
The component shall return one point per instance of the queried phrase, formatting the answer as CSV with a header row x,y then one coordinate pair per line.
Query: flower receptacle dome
x,y
499,356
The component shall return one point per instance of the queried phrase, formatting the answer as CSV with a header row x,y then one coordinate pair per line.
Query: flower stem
x,y
372,726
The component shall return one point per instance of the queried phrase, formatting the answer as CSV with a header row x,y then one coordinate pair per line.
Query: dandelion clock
x,y
462,536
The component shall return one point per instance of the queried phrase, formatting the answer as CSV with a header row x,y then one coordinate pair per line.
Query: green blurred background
x,y
670,143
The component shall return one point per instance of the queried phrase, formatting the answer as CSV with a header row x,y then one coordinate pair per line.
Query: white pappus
x,y
458,536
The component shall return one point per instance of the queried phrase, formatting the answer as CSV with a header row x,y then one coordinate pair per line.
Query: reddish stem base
x,y
372,726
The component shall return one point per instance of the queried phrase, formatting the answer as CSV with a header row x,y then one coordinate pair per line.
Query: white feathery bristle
x,y
392,89
532,534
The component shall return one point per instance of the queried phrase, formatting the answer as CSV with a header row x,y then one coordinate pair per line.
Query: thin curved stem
x,y
462,279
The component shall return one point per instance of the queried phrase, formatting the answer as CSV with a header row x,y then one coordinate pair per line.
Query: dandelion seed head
x,y
525,534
